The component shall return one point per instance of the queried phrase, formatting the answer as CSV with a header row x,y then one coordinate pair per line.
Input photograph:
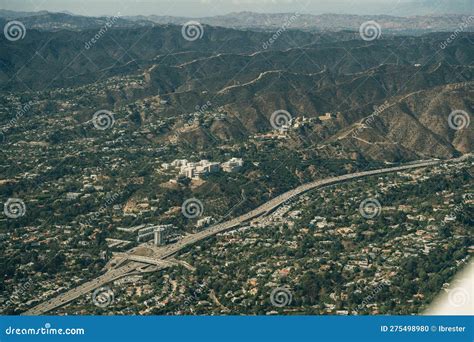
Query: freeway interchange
x,y
131,264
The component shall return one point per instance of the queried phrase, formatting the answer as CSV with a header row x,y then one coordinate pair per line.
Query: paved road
x,y
85,288
165,252
275,203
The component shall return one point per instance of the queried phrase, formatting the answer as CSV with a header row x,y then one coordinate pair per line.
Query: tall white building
x,y
157,233
159,237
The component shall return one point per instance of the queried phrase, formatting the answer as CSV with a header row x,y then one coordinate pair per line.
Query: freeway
x,y
87,287
136,262
274,203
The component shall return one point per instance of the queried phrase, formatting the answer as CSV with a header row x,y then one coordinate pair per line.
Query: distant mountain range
x,y
48,21
414,79
44,20
324,22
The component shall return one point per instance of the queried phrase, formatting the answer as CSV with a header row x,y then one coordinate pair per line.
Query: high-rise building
x,y
157,233
159,236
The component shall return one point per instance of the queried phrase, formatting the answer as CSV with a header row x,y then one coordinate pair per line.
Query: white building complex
x,y
196,170
233,165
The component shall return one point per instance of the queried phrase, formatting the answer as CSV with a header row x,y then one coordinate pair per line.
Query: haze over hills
x,y
49,21
242,71
251,20
324,22
199,9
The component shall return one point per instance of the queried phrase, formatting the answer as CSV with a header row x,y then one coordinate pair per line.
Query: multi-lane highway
x,y
275,203
136,262
76,292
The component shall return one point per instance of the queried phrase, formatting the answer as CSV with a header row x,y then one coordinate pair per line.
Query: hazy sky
x,y
201,8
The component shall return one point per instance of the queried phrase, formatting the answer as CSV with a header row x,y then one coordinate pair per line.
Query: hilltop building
x,y
233,165
195,170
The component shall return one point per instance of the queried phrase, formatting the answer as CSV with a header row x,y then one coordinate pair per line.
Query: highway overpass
x,y
137,262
